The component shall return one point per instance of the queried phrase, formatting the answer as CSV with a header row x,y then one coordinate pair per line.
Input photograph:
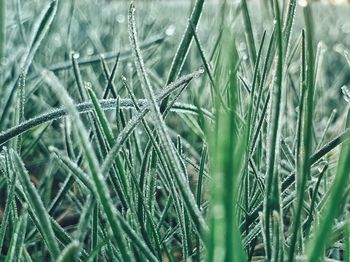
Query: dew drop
x,y
132,8
170,30
4,61
76,55
200,71
120,19
346,28
242,46
302,3
57,39
322,46
339,48
346,93
90,50
347,56
87,85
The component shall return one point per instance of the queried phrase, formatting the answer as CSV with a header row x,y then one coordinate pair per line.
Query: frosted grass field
x,y
174,131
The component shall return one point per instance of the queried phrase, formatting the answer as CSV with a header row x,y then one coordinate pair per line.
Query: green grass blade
x,y
136,240
101,117
19,117
226,153
271,200
304,146
69,165
199,195
68,183
95,59
161,128
249,33
15,248
185,44
107,132
318,242
26,257
84,220
181,212
110,78
37,206
77,76
260,95
338,140
100,187
347,244
312,208
106,104
2,28
70,252
253,91
94,225
40,30
330,120
288,23
207,68
11,185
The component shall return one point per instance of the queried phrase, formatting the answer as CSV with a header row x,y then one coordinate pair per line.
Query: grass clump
x,y
225,141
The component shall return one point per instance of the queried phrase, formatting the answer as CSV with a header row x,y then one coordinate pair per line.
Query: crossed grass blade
x,y
40,30
171,156
37,207
100,187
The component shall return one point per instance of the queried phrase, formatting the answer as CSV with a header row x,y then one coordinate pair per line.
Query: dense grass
x,y
168,131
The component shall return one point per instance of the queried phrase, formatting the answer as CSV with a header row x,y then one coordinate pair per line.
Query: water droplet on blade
x,y
120,19
346,93
170,30
76,55
302,3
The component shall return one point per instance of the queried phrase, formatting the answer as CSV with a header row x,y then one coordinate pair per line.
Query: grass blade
x,y
100,187
37,206
2,27
249,33
70,252
288,23
226,153
171,155
107,132
304,147
331,210
106,104
11,185
40,29
185,43
271,203
15,248
199,195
